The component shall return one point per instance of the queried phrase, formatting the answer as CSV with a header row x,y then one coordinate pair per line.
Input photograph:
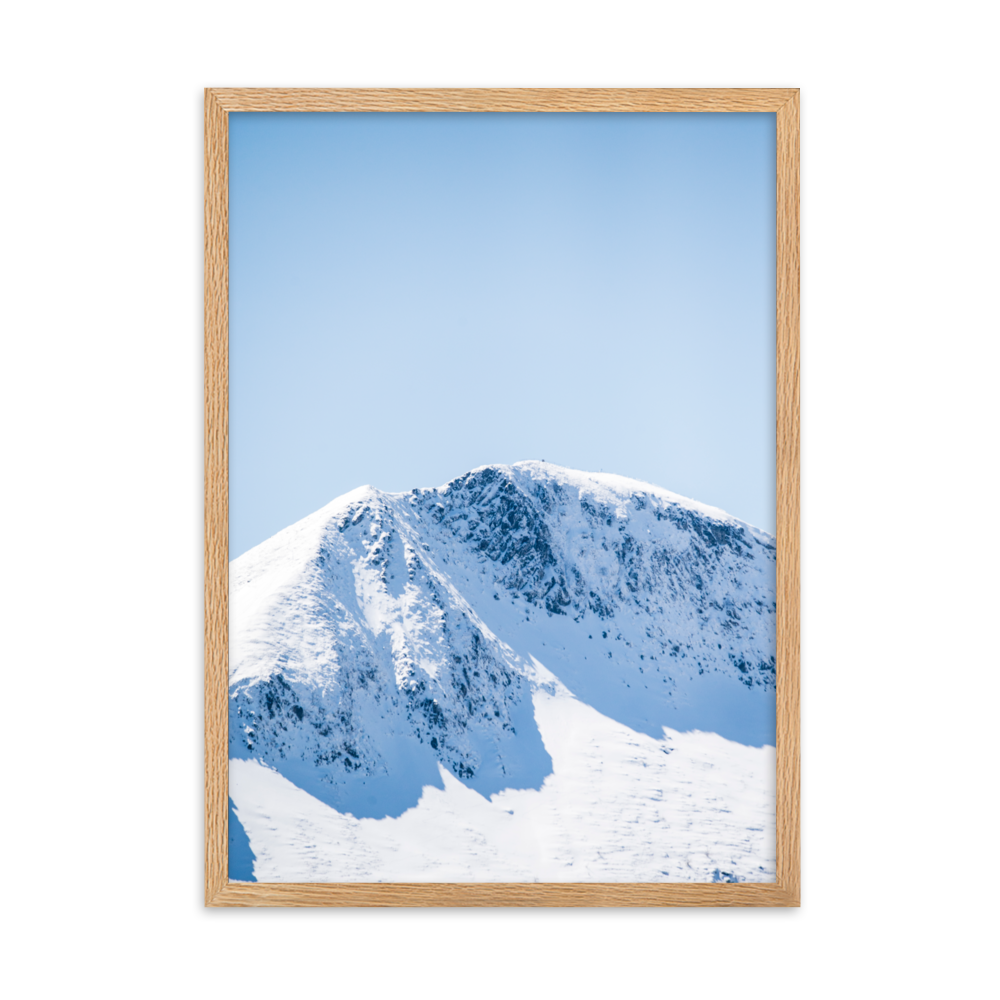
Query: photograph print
x,y
502,592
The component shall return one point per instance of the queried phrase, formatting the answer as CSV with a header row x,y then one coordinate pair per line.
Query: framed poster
x,y
262,748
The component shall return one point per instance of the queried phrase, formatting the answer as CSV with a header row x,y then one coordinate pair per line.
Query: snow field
x,y
620,806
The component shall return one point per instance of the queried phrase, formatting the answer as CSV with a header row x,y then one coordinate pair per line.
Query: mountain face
x,y
388,636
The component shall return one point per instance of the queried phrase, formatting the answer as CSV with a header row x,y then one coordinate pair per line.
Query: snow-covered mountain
x,y
391,645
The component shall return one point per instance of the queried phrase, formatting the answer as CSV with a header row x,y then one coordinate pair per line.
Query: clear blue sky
x,y
415,295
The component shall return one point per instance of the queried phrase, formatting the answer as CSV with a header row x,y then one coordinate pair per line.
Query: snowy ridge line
x,y
619,486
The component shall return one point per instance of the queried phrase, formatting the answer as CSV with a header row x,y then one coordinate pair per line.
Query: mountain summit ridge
x,y
388,634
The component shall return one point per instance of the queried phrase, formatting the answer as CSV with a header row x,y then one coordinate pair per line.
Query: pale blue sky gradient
x,y
415,295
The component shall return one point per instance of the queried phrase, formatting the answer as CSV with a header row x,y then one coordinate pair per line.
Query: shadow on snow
x,y
241,855
410,765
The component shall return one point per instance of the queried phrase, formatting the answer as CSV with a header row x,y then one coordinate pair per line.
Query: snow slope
x,y
499,679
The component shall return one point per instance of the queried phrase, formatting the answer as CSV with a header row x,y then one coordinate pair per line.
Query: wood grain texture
x,y
574,894
521,99
785,891
216,497
787,462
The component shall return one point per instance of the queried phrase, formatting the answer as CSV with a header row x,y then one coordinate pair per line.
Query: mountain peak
x,y
524,639
387,634
605,486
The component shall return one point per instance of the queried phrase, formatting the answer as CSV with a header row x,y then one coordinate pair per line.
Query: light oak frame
x,y
219,891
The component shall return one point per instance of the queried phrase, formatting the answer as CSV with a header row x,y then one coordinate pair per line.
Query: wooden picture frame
x,y
219,891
